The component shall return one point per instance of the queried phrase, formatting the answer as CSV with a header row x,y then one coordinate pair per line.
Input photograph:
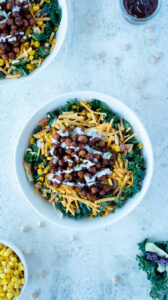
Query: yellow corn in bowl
x,y
13,271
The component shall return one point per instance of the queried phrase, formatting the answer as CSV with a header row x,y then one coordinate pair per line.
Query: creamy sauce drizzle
x,y
39,144
93,133
91,181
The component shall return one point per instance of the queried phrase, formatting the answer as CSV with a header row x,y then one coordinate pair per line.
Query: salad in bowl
x,y
84,160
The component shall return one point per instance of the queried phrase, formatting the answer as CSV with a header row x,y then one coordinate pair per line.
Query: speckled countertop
x,y
105,53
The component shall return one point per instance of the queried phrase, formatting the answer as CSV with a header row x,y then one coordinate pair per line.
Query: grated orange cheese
x,y
130,137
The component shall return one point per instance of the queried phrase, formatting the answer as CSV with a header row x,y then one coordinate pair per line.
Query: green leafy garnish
x,y
21,66
159,280
51,117
39,36
1,75
53,10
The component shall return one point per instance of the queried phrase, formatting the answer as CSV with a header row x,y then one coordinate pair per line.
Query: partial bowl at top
x,y
34,39
42,206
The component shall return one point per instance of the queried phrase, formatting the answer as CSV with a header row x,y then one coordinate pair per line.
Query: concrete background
x,y
94,56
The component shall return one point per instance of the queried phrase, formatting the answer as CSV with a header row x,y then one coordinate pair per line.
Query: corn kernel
x,y
116,147
26,44
9,295
94,213
2,62
130,182
37,44
36,8
29,67
2,295
32,52
11,274
40,171
55,28
31,57
49,158
31,140
41,178
140,146
41,166
21,268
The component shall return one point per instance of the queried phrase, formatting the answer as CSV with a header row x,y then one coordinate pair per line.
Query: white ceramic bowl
x,y
22,258
41,205
60,36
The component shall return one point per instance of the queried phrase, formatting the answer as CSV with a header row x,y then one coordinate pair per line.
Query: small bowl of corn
x,y
13,271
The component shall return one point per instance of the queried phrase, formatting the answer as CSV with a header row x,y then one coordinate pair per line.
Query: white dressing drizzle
x,y
39,143
92,180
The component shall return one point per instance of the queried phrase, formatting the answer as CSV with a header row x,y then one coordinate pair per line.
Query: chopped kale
x,y
31,156
97,104
126,124
53,10
51,117
84,210
73,105
21,66
40,36
42,52
37,129
158,277
136,163
2,75
48,28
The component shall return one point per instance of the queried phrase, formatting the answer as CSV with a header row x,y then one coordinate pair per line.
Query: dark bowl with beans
x,y
85,160
31,33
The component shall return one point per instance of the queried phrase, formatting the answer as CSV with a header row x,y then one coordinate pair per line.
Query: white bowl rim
x,y
19,253
61,33
125,210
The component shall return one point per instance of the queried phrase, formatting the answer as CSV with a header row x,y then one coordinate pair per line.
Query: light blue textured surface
x,y
83,269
